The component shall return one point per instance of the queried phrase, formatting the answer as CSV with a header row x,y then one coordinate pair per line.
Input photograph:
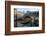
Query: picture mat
x,y
26,28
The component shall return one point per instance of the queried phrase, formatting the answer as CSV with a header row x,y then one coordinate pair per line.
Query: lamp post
x,y
15,17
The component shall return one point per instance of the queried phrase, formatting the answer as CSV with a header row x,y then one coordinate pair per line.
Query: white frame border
x,y
25,28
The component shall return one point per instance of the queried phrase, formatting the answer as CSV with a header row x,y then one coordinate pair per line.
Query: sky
x,y
26,9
